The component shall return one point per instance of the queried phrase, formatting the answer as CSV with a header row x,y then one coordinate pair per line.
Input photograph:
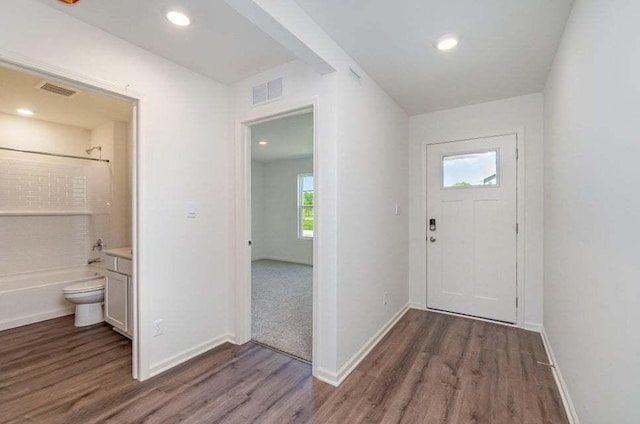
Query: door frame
x,y
520,215
139,365
242,280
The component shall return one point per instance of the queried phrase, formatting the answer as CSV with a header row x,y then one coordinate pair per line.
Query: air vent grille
x,y
267,91
259,94
57,89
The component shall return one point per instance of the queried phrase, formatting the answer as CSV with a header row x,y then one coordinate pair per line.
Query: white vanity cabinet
x,y
118,296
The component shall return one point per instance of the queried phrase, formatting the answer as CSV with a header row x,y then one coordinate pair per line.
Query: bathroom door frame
x,y
22,63
242,281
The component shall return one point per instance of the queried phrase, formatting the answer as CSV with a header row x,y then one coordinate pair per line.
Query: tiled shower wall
x,y
31,242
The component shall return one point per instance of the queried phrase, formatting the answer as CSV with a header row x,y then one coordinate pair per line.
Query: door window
x,y
470,170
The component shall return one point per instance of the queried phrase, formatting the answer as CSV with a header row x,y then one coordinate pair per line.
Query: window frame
x,y
302,207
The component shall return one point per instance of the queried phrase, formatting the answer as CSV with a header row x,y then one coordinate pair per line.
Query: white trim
x,y
533,326
185,355
418,306
300,201
562,387
275,258
19,62
335,379
6,325
455,314
23,63
520,205
242,279
327,376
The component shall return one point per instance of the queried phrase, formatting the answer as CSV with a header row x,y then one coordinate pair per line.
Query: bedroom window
x,y
305,206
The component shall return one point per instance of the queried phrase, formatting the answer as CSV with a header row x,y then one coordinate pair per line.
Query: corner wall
x,y
485,119
591,207
362,149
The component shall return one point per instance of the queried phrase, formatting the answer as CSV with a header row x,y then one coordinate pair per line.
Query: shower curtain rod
x,y
53,154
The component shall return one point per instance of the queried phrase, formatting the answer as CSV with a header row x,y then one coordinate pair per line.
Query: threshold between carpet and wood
x,y
282,306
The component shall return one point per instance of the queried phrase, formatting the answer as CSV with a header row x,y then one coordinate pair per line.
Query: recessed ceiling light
x,y
263,142
178,18
447,42
25,112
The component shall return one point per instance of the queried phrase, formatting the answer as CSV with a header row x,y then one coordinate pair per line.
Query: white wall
x,y
275,211
362,147
18,132
362,157
302,84
114,139
592,271
519,113
184,156
373,256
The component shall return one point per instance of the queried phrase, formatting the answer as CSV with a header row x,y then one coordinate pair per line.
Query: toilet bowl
x,y
88,297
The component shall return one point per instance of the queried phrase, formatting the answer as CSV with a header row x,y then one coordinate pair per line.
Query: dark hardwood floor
x,y
431,368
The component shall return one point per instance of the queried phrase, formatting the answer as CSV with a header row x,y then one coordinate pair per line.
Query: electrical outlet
x,y
157,327
385,299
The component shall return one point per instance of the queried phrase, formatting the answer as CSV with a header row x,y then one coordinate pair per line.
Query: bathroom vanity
x,y
118,296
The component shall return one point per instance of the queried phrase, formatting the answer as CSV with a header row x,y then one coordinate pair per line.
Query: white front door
x,y
471,227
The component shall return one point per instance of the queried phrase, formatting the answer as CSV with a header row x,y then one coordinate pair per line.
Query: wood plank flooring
x,y
431,368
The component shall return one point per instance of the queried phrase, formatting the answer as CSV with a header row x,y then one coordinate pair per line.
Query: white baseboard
x,y
335,379
326,376
31,319
418,306
533,326
184,356
231,338
557,375
274,258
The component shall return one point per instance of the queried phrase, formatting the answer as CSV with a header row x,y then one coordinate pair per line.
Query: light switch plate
x,y
192,210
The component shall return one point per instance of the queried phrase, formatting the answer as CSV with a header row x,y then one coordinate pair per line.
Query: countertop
x,y
121,252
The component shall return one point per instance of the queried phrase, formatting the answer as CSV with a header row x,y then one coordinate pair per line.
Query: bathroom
x,y
65,203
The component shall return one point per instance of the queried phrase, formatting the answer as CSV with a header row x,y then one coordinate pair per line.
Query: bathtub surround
x,y
89,200
34,297
52,210
45,222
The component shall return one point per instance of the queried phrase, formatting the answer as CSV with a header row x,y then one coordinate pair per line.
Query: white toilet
x,y
88,297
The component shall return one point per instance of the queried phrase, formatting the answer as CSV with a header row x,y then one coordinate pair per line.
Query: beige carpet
x,y
281,306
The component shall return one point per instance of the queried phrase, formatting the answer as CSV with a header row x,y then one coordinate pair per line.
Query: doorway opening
x,y
68,161
282,208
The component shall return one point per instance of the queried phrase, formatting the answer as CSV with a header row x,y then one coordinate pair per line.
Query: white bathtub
x,y
34,297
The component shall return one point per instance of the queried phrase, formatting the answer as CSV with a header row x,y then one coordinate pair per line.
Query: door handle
x,y
432,239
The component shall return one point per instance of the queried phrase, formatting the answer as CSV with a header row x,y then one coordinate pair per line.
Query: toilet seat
x,y
85,287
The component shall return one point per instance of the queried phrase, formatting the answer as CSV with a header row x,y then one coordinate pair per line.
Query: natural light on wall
x,y
305,205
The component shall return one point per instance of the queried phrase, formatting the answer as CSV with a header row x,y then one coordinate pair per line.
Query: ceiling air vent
x,y
267,91
56,89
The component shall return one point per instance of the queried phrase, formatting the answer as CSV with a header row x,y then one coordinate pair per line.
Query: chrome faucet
x,y
97,246
94,260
